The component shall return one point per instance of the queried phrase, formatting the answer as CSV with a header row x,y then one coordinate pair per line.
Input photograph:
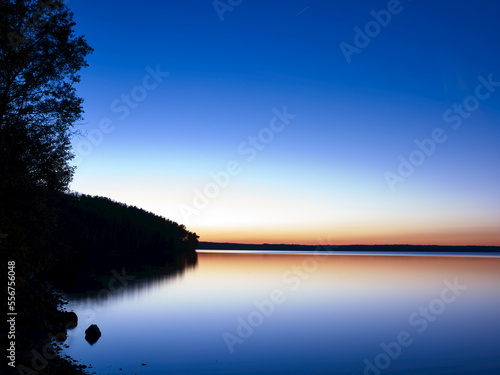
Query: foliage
x,y
40,57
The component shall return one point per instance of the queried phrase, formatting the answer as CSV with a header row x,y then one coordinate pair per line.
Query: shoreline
x,y
41,335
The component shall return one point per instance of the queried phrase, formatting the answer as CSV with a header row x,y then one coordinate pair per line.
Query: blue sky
x,y
183,92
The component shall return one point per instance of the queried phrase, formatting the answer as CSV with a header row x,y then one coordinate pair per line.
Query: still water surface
x,y
268,313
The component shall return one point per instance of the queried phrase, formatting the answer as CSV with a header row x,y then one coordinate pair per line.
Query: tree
x,y
40,57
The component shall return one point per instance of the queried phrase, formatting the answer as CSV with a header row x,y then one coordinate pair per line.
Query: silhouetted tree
x,y
40,59
40,56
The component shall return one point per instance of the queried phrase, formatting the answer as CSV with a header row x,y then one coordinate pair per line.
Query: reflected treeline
x,y
108,235
113,281
118,283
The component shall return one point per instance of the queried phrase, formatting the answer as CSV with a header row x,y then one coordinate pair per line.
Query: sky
x,y
298,121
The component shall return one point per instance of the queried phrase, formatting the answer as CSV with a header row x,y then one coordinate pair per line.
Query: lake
x,y
297,313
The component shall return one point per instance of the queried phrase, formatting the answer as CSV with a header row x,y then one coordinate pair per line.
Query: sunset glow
x,y
276,134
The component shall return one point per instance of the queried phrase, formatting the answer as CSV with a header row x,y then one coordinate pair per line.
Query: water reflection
x,y
130,280
301,314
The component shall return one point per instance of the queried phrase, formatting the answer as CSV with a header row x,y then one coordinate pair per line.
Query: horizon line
x,y
343,245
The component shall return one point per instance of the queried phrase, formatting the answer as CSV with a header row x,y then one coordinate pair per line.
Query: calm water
x,y
264,313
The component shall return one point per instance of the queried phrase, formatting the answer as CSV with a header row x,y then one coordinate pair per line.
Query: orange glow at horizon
x,y
247,215
349,236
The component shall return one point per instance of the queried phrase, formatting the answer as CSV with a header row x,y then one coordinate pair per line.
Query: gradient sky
x,y
338,167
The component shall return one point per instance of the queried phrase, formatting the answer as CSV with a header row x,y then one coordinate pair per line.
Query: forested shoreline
x,y
92,239
111,235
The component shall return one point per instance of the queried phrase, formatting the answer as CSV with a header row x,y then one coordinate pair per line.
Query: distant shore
x,y
349,248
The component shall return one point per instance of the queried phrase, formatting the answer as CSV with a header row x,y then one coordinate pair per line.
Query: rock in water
x,y
92,334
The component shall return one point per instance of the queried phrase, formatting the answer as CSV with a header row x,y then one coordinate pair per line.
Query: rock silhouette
x,y
92,334
69,319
